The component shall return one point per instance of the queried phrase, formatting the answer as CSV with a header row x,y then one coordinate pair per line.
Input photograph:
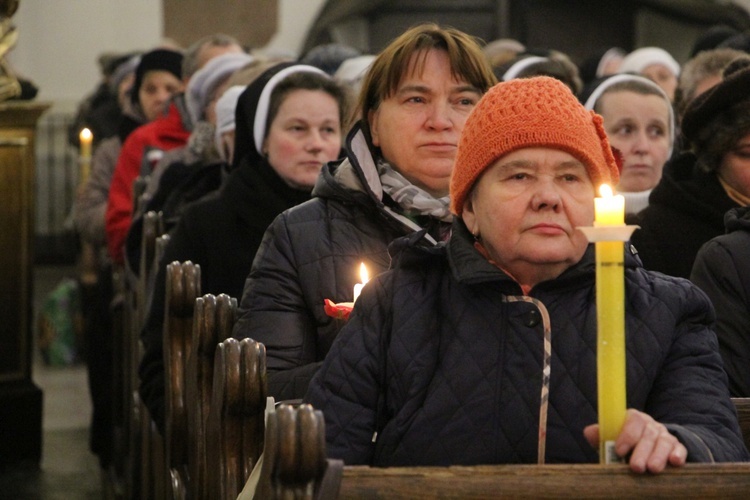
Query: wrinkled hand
x,y
649,442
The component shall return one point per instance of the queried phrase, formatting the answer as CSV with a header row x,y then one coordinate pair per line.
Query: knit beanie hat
x,y
225,108
705,108
527,113
206,79
156,60
125,68
329,57
639,59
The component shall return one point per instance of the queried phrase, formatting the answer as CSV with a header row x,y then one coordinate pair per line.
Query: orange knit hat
x,y
527,113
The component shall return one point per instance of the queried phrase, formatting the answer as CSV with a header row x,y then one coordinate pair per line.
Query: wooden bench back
x,y
294,445
236,415
183,285
134,291
152,460
213,320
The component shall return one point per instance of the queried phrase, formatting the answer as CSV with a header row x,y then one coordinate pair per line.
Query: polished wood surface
x,y
20,398
17,129
236,416
546,481
183,285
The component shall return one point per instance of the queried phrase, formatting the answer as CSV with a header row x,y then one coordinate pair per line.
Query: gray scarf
x,y
412,199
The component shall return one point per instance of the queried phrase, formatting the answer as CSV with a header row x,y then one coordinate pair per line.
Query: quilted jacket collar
x,y
468,266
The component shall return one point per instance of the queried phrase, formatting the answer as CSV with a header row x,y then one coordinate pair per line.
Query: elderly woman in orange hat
x,y
483,349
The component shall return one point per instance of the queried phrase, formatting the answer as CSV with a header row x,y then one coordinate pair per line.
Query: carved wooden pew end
x,y
183,285
236,415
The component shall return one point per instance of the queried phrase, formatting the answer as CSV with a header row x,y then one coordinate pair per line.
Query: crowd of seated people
x,y
457,173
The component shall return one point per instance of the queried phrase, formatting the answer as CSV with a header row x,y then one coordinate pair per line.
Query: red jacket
x,y
165,133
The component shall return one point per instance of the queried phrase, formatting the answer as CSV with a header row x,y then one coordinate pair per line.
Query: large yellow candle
x,y
85,138
610,307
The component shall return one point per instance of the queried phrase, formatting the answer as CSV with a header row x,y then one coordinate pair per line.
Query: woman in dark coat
x,y
686,209
722,270
287,126
483,350
393,182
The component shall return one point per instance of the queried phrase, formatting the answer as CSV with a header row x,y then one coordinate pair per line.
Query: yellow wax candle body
x,y
610,313
611,375
610,211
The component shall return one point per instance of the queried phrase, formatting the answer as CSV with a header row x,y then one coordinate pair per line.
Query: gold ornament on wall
x,y
9,86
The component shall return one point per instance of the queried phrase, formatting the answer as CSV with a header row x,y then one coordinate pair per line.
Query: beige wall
x,y
60,40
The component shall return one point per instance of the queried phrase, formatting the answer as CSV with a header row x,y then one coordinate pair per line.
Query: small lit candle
x,y
610,307
85,138
364,277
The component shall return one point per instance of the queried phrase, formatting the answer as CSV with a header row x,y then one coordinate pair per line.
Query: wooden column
x,y
20,399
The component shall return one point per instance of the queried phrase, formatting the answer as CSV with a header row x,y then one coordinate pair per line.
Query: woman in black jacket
x,y
288,124
722,270
394,182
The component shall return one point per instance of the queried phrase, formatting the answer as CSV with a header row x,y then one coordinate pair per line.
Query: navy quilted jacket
x,y
442,356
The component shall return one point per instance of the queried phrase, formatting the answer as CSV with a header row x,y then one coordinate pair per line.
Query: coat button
x,y
532,318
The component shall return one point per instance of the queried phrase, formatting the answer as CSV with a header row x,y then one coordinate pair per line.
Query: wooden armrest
x,y
730,480
294,459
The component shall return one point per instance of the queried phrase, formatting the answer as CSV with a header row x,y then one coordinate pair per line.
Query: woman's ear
x,y
372,121
469,216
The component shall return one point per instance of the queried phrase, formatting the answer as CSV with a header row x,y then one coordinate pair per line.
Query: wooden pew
x,y
126,331
146,448
731,480
292,468
183,286
214,319
294,457
236,416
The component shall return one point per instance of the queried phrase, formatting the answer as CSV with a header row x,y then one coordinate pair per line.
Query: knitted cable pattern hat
x,y
527,113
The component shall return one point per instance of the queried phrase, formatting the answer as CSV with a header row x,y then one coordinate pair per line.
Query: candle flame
x,y
364,276
85,135
606,191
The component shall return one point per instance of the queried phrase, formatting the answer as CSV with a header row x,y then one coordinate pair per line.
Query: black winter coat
x,y
722,270
313,252
442,357
222,234
685,210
